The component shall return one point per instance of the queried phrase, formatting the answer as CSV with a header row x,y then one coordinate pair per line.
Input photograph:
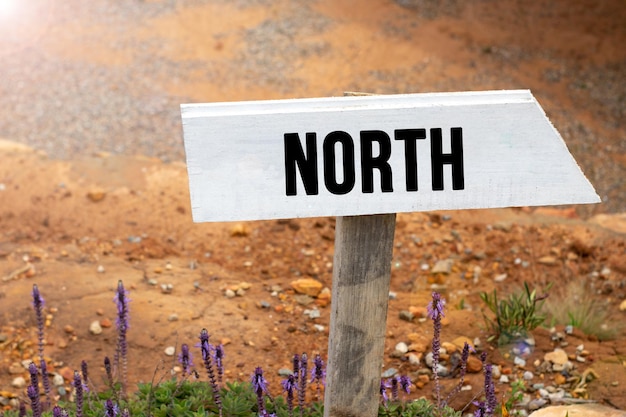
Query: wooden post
x,y
360,294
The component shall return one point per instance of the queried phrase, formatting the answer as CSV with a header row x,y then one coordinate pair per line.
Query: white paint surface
x,y
513,156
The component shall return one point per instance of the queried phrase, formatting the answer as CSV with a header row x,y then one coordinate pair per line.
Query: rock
x,y
414,359
547,260
308,286
170,350
95,195
537,403
95,327
319,328
106,323
389,373
313,313
528,375
324,297
449,347
406,315
68,329
504,379
67,373
239,230
622,306
578,410
460,341
417,347
402,347
519,362
100,269
19,382
229,293
442,370
559,379
474,365
500,277
57,380
443,267
558,356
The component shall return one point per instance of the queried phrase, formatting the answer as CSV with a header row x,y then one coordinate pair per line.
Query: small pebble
x,y
95,327
500,277
100,269
313,313
414,359
57,380
402,347
389,373
528,375
172,317
170,350
406,315
504,379
229,293
19,382
519,362
318,327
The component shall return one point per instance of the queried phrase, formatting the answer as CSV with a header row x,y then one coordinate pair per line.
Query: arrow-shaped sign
x,y
376,154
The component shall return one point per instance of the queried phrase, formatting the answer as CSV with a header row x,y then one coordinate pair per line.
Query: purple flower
x,y
436,306
109,371
85,374
259,386
289,386
384,384
259,383
45,381
394,388
490,394
405,383
38,304
78,390
111,409
318,374
219,362
121,299
302,382
435,312
59,412
33,394
185,358
34,375
296,366
206,348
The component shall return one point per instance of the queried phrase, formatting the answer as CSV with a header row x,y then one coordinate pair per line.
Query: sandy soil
x,y
79,210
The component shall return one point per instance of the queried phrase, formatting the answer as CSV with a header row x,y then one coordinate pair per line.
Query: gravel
x,y
70,107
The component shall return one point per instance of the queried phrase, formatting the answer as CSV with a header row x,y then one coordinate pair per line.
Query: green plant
x,y
577,306
519,314
517,394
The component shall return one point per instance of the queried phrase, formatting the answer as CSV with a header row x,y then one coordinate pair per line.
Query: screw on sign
x,y
363,159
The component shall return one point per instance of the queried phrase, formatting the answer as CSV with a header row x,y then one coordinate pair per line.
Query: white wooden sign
x,y
363,155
